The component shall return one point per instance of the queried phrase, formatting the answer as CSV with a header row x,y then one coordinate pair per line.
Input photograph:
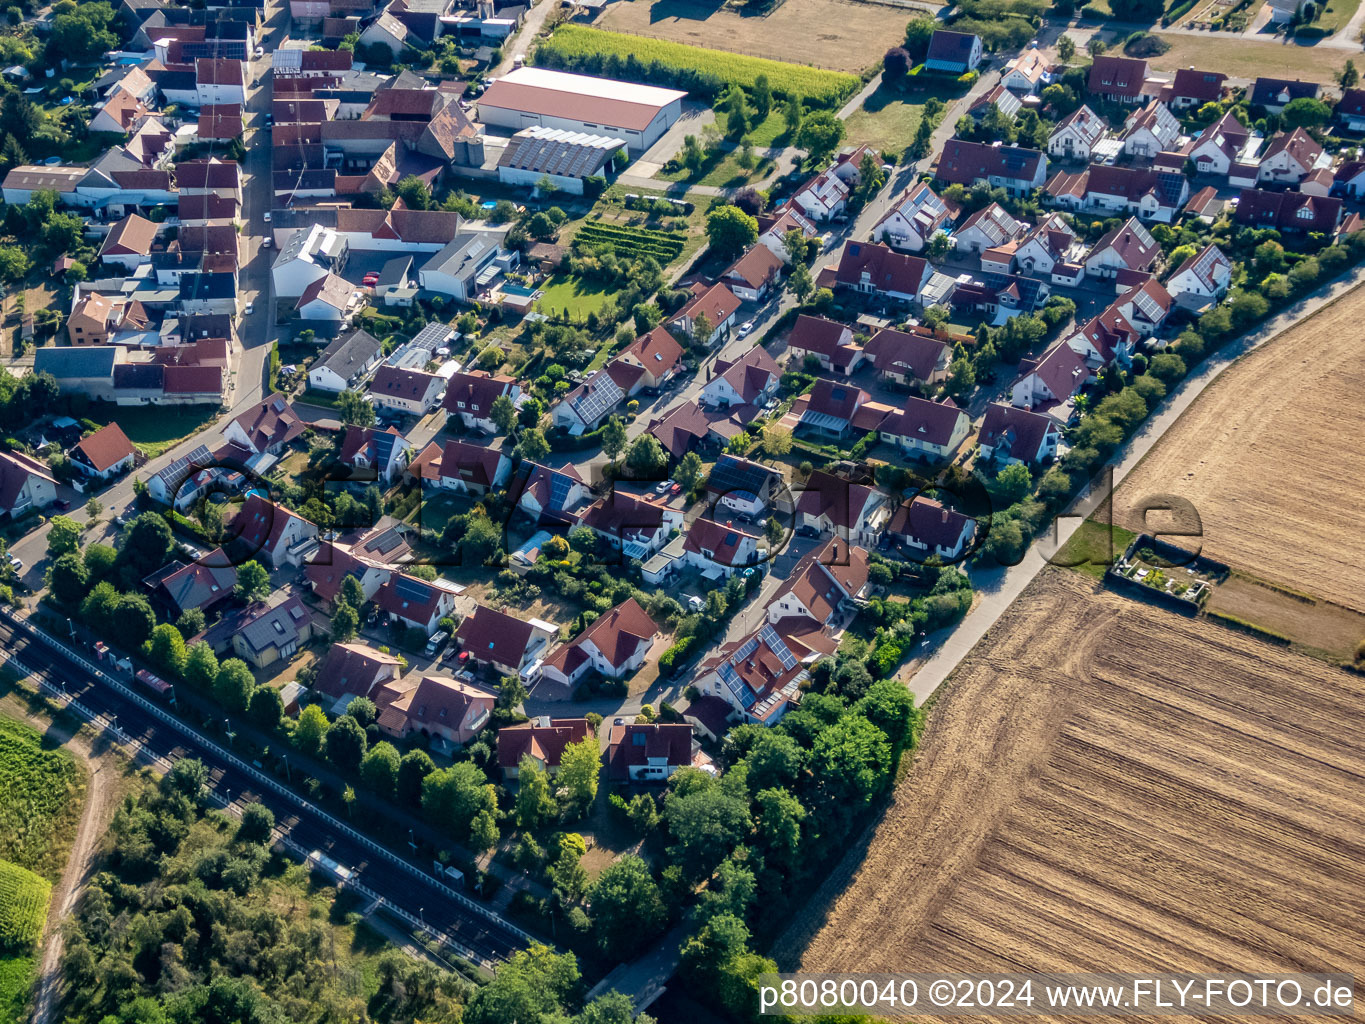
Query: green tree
x,y
166,649
352,592
483,831
451,797
627,910
234,684
1013,483
311,729
646,458
345,744
132,620
503,413
266,708
917,35
1066,49
14,262
792,115
532,445
705,822
257,825
69,579
689,472
780,817
851,759
580,764
535,803
730,230
414,192
1305,112
614,437
253,582
1349,76
379,769
800,282
345,622
762,96
64,536
534,985
415,766
355,411
201,665
100,560
820,133
147,543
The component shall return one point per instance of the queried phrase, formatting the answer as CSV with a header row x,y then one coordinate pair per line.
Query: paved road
x,y
406,887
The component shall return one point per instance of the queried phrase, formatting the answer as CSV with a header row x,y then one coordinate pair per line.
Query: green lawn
x,y
1092,543
579,297
157,429
886,121
1337,14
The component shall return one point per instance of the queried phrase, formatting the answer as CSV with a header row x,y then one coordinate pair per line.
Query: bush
x,y
678,652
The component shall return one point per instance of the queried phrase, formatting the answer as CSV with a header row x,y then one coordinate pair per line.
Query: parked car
x,y
436,642
249,308
62,504
15,562
370,280
746,328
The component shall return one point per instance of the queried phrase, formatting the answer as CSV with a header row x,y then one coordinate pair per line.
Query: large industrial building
x,y
525,97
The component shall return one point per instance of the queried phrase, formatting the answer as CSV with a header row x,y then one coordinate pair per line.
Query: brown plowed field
x,y
1271,456
1108,786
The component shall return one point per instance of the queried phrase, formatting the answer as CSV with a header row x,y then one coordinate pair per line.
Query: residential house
x,y
550,494
1350,110
754,275
1050,381
916,356
635,526
830,505
307,256
345,362
823,198
407,391
1106,339
1192,88
1075,136
1013,168
929,529
334,561
104,454
1117,79
1049,242
268,426
542,739
744,487
1145,306
434,706
415,603
120,113
353,670
1150,130
466,267
374,454
267,635
836,407
927,430
1318,182
1207,275
470,395
1009,435
1289,157
26,485
129,243
719,549
1005,103
988,228
1151,193
461,466
759,677
999,294
872,269
505,643
386,31
716,304
1288,211
657,355
272,534
203,584
953,52
587,406
825,586
184,481
1029,72
1274,94
750,380
614,646
327,299
774,226
914,218
219,81
1222,147
688,426
647,752
825,342
1130,246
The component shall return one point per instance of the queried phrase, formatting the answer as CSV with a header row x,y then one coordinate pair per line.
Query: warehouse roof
x,y
602,101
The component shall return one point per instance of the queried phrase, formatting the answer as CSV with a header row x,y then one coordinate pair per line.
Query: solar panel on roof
x,y
560,485
410,589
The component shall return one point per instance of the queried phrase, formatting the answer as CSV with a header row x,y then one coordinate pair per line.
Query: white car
x,y
249,309
266,216
746,328
260,52
15,562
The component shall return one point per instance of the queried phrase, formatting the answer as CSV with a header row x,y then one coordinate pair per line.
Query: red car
x,y
370,280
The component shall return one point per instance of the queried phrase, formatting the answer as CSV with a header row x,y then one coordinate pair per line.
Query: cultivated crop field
x,y
1108,786
1270,457
41,790
661,62
833,34
23,907
632,242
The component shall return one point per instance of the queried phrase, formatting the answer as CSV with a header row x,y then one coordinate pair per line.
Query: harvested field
x,y
1249,58
1105,785
1269,457
832,34
1329,628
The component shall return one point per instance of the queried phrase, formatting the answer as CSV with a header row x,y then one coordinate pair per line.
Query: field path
x,y
101,800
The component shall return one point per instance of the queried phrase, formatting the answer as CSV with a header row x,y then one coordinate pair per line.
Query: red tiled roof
x,y
887,270
105,447
494,636
544,739
631,745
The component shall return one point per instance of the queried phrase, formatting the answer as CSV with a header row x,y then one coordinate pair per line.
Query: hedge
x,y
669,659
703,73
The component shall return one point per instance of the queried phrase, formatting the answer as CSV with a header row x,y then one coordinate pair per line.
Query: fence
x,y
265,780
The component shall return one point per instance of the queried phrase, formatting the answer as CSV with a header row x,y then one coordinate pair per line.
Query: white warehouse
x,y
525,97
